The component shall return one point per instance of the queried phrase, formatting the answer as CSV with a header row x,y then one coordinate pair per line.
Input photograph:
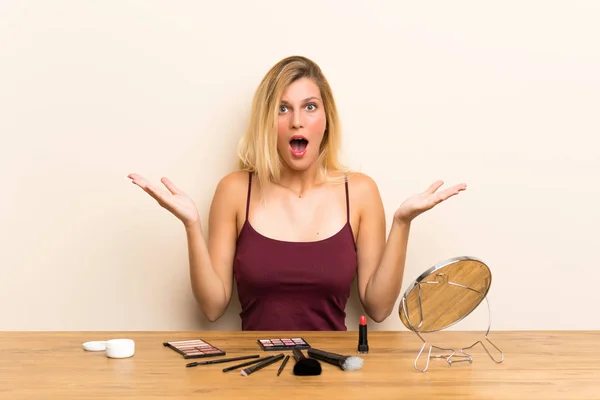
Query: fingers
x,y
434,186
171,186
437,197
452,191
159,195
138,180
437,184
143,183
153,191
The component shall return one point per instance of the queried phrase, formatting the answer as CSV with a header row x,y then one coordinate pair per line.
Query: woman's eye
x,y
282,109
311,107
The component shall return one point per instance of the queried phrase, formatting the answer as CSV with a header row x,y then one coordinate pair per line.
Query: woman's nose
x,y
296,120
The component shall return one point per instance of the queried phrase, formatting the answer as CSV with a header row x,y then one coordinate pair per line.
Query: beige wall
x,y
505,97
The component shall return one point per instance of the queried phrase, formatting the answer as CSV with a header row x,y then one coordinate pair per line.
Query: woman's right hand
x,y
174,200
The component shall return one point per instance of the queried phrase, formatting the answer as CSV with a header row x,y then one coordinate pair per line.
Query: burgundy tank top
x,y
294,286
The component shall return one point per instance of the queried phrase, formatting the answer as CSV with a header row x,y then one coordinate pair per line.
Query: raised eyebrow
x,y
303,101
311,98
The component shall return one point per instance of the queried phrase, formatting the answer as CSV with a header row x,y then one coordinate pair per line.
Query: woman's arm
x,y
210,266
381,262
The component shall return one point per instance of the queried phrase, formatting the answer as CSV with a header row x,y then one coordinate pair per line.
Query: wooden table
x,y
537,365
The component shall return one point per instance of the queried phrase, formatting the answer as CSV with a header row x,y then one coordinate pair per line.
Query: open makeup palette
x,y
283,344
195,348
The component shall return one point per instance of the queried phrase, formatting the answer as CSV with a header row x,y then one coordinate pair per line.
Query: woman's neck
x,y
299,182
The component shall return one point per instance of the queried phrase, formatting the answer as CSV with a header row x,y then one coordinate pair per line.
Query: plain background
x,y
504,96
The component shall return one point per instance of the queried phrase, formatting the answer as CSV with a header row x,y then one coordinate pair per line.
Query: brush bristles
x,y
307,367
352,363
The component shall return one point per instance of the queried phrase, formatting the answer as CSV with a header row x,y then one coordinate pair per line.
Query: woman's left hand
x,y
421,202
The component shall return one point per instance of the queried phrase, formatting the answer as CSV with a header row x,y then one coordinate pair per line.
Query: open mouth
x,y
298,145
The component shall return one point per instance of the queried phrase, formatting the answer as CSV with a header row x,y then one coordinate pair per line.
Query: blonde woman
x,y
292,226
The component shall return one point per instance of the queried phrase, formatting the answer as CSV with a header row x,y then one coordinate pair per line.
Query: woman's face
x,y
301,124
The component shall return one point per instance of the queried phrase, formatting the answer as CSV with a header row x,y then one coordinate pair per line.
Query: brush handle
x,y
298,354
261,365
331,358
258,360
285,360
221,360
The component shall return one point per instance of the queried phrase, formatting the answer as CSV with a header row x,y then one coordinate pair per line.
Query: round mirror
x,y
445,294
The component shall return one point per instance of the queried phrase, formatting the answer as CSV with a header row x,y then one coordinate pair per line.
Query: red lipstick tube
x,y
363,341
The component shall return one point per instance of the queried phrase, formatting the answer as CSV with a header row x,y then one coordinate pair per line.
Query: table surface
x,y
537,365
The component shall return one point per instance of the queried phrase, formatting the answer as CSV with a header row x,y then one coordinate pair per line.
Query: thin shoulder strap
x,y
249,191
347,199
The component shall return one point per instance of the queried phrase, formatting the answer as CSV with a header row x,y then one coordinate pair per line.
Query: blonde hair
x,y
257,149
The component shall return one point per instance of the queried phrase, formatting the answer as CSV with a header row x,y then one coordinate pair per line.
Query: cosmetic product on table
x,y
195,348
285,360
114,348
258,360
221,360
283,344
346,363
363,342
261,365
305,366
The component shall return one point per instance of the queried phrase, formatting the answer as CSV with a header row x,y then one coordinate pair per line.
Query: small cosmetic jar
x,y
114,348
120,348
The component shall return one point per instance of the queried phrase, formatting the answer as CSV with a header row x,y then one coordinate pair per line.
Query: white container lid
x,y
115,348
96,345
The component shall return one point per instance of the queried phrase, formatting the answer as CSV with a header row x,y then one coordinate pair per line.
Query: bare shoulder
x,y
233,184
231,192
229,199
362,185
364,192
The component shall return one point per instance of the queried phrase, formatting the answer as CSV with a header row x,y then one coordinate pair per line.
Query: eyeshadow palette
x,y
283,344
195,348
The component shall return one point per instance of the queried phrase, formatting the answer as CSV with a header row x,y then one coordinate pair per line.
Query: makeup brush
x,y
305,366
258,360
346,363
220,360
261,365
282,366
